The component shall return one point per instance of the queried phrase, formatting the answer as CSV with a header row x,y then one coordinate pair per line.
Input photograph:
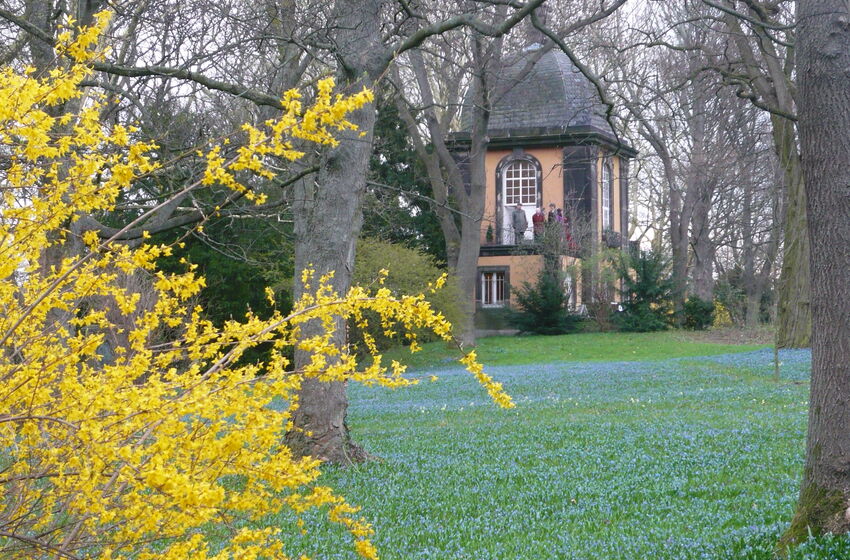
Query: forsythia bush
x,y
722,316
138,454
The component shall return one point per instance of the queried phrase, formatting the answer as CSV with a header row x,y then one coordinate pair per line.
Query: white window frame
x,y
520,183
493,288
606,197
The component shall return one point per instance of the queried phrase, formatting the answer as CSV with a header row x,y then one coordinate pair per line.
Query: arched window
x,y
519,181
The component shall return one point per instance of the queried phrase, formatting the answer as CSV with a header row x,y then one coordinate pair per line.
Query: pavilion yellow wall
x,y
489,219
523,268
526,268
553,185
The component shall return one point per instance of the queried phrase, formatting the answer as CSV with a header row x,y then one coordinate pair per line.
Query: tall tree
x,y
328,212
762,68
684,121
823,55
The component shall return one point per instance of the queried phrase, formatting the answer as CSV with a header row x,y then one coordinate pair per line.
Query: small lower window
x,y
493,289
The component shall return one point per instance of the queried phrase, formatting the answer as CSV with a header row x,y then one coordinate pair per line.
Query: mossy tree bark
x,y
794,329
824,119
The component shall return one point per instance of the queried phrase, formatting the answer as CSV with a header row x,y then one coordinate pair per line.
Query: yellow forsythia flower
x,y
116,439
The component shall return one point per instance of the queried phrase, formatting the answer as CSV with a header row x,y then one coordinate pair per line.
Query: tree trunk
x,y
795,316
679,249
824,116
748,277
472,203
466,272
703,246
685,205
327,219
703,269
327,222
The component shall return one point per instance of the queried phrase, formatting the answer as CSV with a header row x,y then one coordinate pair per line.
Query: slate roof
x,y
552,98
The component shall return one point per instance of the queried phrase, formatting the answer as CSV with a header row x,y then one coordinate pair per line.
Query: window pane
x,y
520,183
493,288
606,197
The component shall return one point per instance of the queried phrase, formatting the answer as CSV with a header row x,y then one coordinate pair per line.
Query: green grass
x,y
520,350
674,459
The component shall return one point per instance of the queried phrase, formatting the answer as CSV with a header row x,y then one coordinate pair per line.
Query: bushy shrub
x,y
730,290
641,318
410,272
722,317
543,307
698,314
648,287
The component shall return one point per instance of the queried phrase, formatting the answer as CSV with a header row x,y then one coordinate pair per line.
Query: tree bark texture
x,y
327,219
472,203
696,203
703,253
327,223
824,119
795,315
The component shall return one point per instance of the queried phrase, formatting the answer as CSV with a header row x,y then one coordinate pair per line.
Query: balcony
x,y
612,239
553,238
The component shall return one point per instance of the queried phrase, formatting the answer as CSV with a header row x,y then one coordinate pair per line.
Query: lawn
x,y
677,456
521,350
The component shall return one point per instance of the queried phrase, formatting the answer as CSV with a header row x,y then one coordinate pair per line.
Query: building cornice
x,y
547,137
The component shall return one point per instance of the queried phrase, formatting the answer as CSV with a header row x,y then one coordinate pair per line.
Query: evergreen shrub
x,y
698,313
543,307
648,287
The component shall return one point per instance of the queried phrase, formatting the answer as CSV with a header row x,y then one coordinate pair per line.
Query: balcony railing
x,y
548,240
543,242
612,239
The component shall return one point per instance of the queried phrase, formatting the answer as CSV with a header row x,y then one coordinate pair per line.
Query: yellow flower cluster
x,y
313,124
494,388
135,450
722,316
